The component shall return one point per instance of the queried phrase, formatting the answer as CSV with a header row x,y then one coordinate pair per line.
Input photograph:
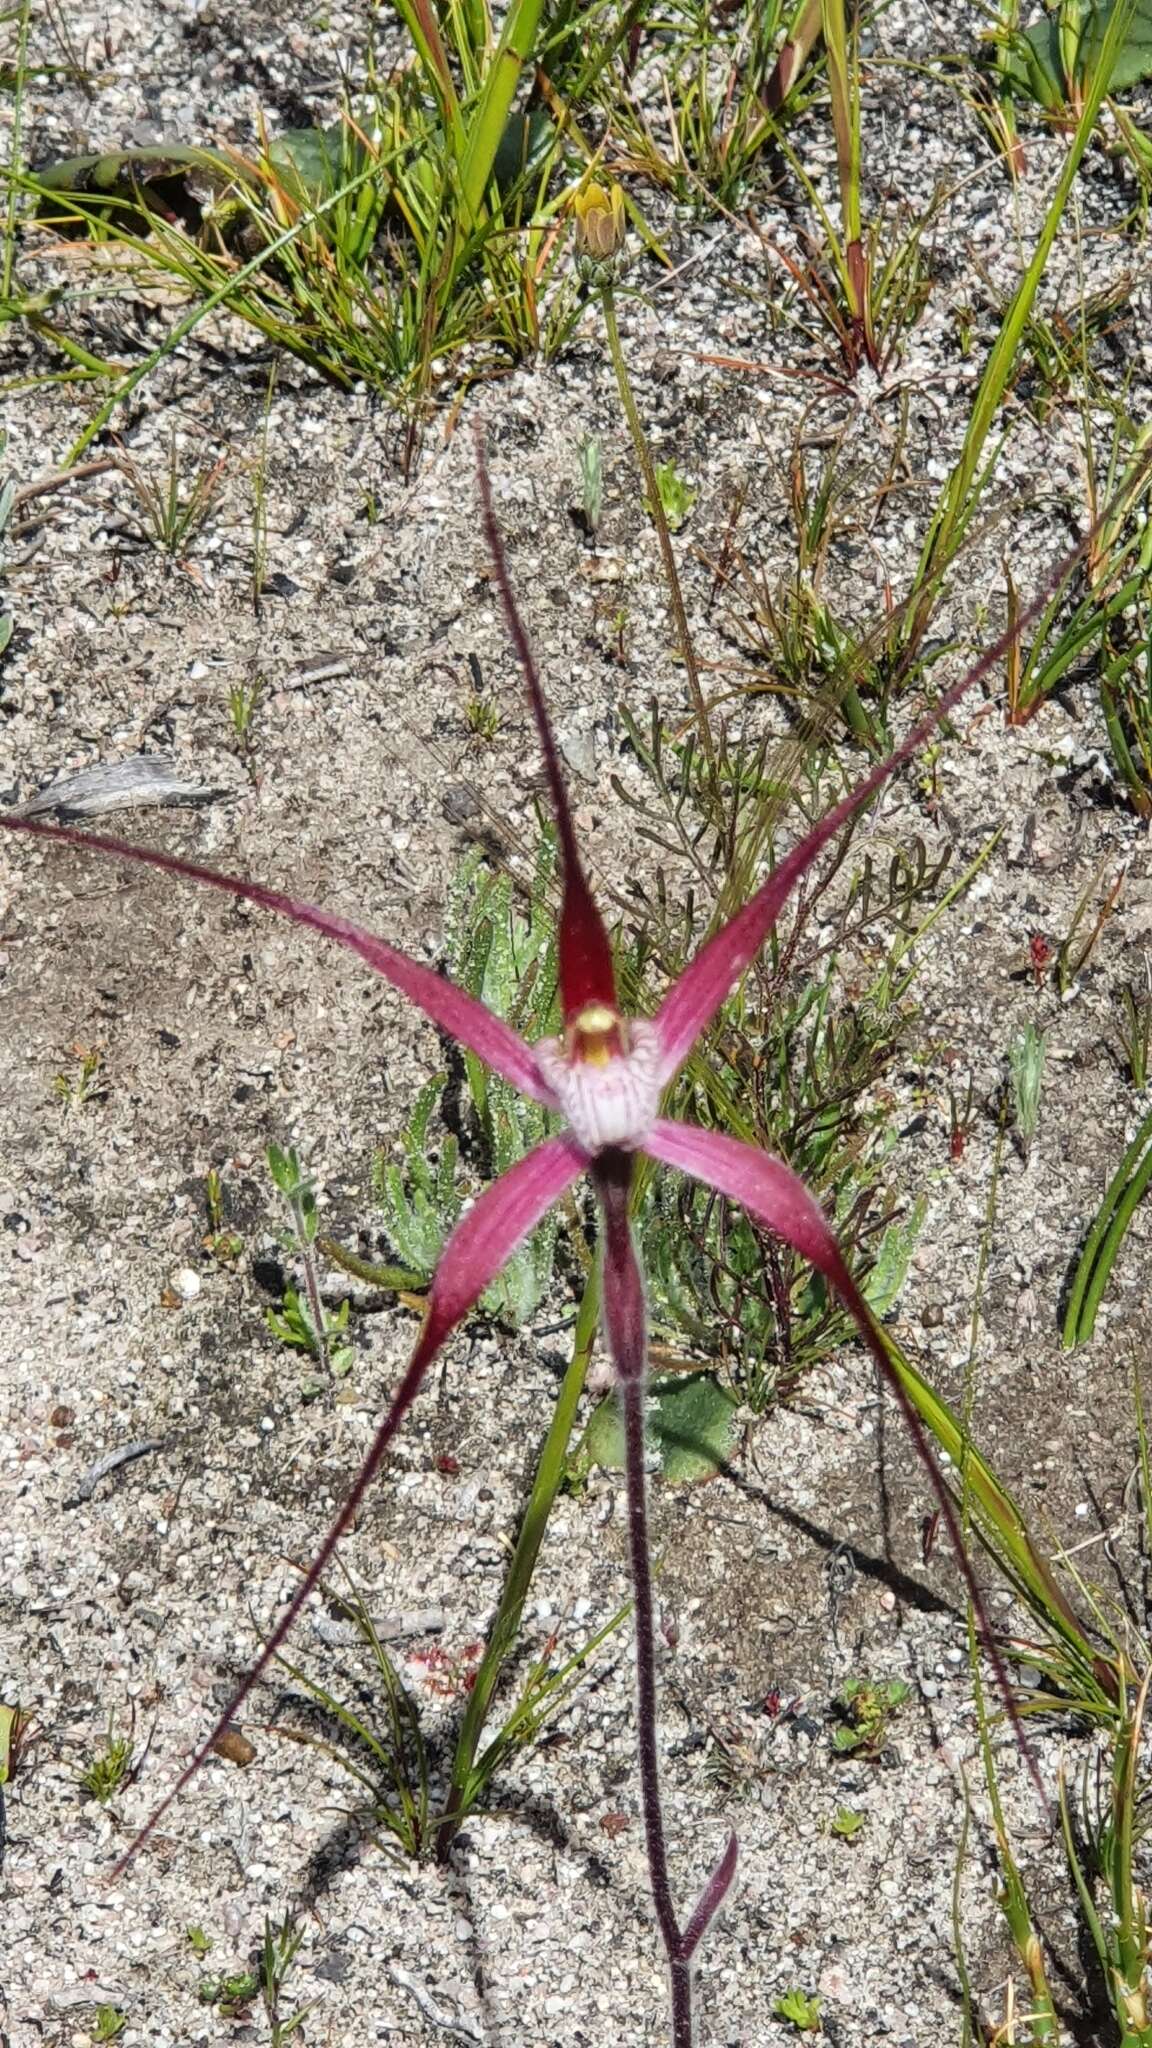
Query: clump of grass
x,y
172,510
111,1770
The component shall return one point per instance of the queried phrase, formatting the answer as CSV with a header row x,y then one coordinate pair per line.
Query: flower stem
x,y
632,1394
659,520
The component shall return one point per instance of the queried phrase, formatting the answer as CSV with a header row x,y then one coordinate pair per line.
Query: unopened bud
x,y
600,229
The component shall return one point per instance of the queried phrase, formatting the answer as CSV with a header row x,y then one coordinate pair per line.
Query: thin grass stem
x,y
652,491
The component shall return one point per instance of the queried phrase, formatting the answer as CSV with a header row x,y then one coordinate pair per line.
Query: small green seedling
x,y
108,2024
292,1324
677,497
801,2011
231,1995
199,1942
222,1243
592,484
111,1771
82,1082
243,699
173,513
482,718
867,1706
846,1824
1134,1031
1026,1057
281,1946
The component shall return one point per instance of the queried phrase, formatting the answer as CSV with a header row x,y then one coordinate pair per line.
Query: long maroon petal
x,y
449,1007
482,1242
694,999
778,1199
585,956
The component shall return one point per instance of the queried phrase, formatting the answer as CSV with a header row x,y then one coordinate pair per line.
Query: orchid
x,y
605,1078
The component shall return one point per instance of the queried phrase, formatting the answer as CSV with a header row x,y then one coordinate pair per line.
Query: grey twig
x,y
465,2030
112,1462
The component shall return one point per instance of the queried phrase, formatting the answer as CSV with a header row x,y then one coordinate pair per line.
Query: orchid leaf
x,y
1036,58
691,1427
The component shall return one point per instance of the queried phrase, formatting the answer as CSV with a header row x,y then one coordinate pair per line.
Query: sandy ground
x,y
220,1030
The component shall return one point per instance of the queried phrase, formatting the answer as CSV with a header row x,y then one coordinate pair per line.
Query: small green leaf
x,y
690,1428
847,1823
800,2010
885,1281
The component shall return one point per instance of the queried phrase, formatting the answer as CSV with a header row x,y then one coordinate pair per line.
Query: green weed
x,y
867,1707
302,1322
173,512
800,2010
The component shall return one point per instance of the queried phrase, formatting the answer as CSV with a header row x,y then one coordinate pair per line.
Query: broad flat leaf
x,y
690,1428
180,183
1034,64
317,161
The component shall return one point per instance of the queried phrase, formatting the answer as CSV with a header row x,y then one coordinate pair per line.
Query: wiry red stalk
x,y
625,1322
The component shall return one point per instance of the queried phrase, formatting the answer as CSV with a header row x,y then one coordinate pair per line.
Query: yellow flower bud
x,y
600,226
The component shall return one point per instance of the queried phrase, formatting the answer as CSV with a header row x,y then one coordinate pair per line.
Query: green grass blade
x,y
489,119
200,311
546,1485
1125,1190
954,507
1002,1527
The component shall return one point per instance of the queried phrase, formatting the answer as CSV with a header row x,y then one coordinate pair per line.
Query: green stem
x,y
549,1474
392,1279
652,490
19,82
844,87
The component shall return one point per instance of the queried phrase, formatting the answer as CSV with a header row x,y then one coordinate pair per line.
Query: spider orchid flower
x,y
604,1077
